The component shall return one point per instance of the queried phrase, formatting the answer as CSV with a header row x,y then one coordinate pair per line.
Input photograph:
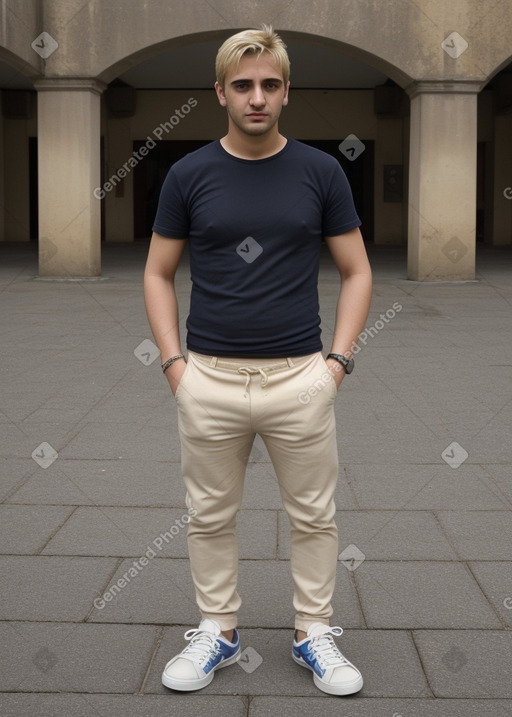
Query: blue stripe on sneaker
x,y
303,652
225,651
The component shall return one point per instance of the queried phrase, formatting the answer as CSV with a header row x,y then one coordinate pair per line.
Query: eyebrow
x,y
267,79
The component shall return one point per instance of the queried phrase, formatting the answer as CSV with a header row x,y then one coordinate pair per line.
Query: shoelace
x,y
203,645
325,648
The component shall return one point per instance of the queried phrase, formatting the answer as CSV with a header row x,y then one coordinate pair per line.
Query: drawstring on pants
x,y
249,371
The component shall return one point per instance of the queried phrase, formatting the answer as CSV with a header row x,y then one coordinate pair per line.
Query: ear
x,y
220,94
286,90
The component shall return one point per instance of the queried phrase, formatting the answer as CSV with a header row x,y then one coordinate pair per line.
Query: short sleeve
x,y
339,214
172,218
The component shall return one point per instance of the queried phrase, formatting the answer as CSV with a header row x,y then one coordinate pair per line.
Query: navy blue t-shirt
x,y
255,230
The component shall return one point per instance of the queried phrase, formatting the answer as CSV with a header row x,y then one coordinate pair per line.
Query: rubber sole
x,y
347,689
190,685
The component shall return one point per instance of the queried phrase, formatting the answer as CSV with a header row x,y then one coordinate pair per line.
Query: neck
x,y
253,147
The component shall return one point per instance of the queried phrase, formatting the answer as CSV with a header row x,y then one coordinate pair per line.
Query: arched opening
x,y
337,91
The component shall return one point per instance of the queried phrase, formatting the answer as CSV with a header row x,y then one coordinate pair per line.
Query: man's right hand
x,y
174,374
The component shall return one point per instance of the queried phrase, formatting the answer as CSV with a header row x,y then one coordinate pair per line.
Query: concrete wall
x,y
402,38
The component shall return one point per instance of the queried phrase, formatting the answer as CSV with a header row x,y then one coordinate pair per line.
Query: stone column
x,y
69,171
442,181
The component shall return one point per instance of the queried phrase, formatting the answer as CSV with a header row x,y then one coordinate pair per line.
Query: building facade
x,y
414,97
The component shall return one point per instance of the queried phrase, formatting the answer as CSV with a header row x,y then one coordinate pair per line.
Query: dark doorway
x,y
360,174
33,189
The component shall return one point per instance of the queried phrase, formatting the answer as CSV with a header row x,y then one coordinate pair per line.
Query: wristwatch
x,y
347,363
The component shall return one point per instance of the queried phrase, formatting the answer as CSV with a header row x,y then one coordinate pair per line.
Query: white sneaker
x,y
208,651
332,672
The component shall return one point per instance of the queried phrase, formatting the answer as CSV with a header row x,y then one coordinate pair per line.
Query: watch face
x,y
349,366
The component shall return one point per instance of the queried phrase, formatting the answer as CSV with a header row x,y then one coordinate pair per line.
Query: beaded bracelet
x,y
170,362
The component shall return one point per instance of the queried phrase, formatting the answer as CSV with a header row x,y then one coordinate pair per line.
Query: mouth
x,y
257,115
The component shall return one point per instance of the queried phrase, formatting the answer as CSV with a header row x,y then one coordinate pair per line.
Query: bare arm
x,y
349,255
161,302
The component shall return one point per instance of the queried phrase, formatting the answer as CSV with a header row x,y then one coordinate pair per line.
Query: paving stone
x,y
424,487
148,402
50,588
468,663
422,594
13,473
266,589
130,531
26,529
71,657
122,532
260,487
355,706
129,439
400,410
278,674
478,535
495,579
384,535
162,592
88,705
159,591
501,475
104,482
394,433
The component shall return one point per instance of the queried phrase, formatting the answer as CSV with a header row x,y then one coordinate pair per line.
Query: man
x,y
254,207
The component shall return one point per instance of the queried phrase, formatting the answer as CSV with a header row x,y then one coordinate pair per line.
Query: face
x,y
254,94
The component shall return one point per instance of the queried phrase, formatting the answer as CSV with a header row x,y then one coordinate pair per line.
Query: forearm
x,y
163,315
351,312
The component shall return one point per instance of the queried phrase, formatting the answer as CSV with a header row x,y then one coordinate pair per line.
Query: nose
x,y
257,96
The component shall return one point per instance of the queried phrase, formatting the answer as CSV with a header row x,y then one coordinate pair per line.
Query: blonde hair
x,y
249,42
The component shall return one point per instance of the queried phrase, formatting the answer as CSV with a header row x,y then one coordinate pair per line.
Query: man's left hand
x,y
337,370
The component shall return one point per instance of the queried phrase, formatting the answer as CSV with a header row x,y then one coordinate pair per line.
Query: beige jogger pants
x,y
222,404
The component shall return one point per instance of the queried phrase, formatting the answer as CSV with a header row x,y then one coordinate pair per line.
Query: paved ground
x,y
90,483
